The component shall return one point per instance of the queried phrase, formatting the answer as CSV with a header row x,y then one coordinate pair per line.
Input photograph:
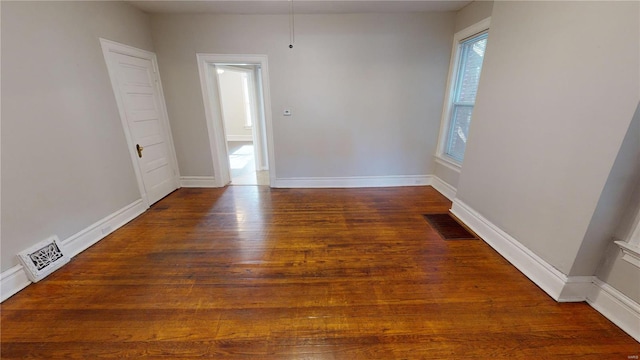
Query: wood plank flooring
x,y
258,273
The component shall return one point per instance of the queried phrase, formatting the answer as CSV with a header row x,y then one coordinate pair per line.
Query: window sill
x,y
631,252
448,163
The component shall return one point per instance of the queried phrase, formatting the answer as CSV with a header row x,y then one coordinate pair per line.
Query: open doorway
x,y
235,91
239,102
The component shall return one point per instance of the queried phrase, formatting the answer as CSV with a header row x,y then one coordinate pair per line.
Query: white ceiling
x,y
300,6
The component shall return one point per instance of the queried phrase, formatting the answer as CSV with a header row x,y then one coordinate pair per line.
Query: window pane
x,y
459,128
471,56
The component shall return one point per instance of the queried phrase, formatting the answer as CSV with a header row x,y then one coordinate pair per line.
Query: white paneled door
x,y
138,92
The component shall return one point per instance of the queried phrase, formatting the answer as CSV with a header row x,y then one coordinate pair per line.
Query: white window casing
x,y
631,247
456,103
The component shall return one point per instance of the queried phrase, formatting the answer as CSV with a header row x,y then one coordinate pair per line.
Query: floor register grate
x,y
448,227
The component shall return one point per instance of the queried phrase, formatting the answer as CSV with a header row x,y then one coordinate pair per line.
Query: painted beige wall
x,y
612,204
619,206
473,13
365,90
447,174
232,97
552,110
65,162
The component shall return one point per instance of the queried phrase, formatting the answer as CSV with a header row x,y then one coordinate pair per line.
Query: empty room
x,y
391,180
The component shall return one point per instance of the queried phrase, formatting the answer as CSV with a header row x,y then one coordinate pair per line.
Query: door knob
x,y
139,150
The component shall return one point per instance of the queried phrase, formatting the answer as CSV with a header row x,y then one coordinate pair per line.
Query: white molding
x,y
198,182
353,182
631,247
239,137
576,289
615,306
633,237
611,303
543,274
443,187
449,164
630,251
474,29
15,279
215,124
95,232
215,127
12,281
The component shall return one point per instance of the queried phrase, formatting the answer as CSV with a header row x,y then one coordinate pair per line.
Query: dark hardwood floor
x,y
258,273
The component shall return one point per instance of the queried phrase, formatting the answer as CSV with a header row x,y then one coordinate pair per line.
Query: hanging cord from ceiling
x,y
292,26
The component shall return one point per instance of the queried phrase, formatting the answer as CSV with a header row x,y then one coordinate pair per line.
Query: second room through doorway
x,y
240,111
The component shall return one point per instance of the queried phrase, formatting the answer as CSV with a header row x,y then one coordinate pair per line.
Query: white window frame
x,y
445,121
631,247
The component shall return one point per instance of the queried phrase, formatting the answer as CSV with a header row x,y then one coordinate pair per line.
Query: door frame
x,y
108,47
213,113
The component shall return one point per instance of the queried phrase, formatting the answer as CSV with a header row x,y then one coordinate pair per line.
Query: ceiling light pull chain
x,y
292,28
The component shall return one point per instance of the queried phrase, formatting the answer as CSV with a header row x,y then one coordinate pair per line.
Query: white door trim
x,y
215,127
109,46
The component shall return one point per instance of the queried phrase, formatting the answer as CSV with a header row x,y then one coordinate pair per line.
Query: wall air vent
x,y
43,258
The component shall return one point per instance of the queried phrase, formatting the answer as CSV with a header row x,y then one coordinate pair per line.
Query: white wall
x,y
65,162
557,94
232,97
366,90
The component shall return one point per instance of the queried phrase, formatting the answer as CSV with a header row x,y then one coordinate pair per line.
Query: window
x,y
631,248
464,76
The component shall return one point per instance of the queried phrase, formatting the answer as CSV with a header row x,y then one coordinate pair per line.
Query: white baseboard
x,y
576,289
198,182
548,278
353,182
98,230
15,279
443,188
239,137
615,306
369,181
12,281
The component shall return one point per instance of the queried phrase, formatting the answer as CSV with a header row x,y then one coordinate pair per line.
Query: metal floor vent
x,y
43,258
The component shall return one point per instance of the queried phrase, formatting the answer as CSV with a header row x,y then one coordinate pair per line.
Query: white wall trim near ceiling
x,y
300,7
15,278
